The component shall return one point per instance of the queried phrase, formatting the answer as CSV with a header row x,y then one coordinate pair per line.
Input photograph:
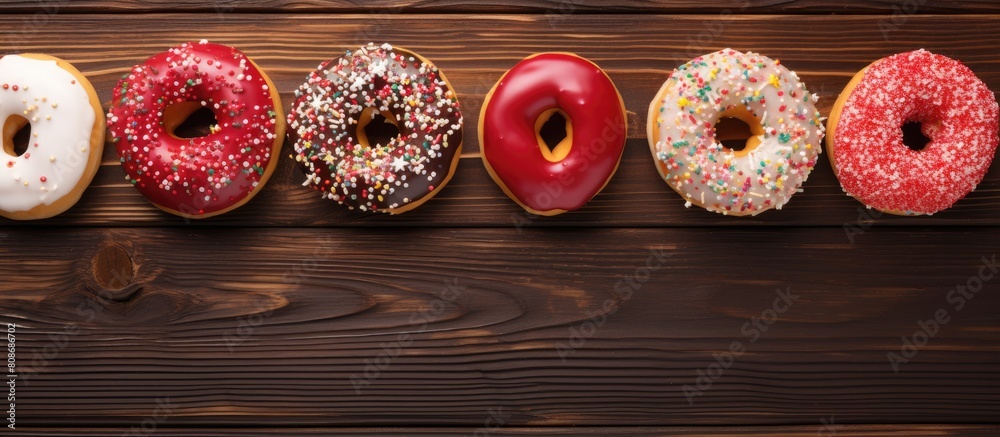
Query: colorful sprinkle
x,y
200,175
708,174
375,79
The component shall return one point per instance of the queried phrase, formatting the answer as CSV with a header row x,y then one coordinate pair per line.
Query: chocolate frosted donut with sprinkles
x,y
956,111
334,107
686,136
208,175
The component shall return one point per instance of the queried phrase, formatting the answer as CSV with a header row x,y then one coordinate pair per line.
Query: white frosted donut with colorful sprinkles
x,y
956,111
67,136
327,128
780,111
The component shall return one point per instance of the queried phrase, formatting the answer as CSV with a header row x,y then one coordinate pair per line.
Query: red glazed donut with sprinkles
x,y
337,102
64,150
686,142
957,112
550,179
204,176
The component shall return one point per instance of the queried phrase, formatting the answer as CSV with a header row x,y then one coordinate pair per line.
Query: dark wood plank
x,y
474,52
715,431
241,327
552,7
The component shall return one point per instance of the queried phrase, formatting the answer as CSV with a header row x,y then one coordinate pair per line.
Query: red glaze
x,y
204,175
958,113
509,146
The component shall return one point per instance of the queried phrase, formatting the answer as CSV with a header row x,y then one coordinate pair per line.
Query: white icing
x,y
701,168
62,120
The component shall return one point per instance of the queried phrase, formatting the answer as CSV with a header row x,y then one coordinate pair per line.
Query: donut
x,y
957,112
204,176
67,136
786,132
343,96
548,180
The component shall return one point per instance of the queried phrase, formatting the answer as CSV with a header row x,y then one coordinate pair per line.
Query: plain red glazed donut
x,y
957,112
205,176
544,181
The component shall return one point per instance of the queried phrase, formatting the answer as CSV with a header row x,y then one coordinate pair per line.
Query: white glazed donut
x,y
787,132
67,136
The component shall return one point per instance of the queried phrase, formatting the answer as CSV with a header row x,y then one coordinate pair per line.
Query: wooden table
x,y
292,315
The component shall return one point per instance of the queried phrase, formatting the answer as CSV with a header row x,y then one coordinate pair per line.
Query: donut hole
x,y
16,135
913,136
187,120
733,133
554,133
376,128
738,131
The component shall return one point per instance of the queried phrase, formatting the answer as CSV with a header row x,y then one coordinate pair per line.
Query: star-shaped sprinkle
x,y
398,164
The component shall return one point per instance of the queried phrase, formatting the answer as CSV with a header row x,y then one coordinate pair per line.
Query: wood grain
x,y
467,312
560,7
267,327
474,51
715,431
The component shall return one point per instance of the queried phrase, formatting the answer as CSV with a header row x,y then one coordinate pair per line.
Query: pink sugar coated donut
x,y
958,113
